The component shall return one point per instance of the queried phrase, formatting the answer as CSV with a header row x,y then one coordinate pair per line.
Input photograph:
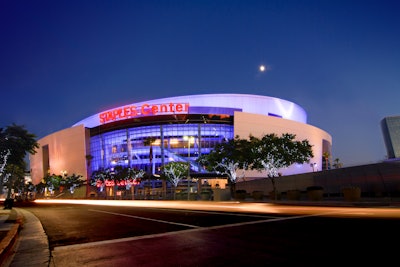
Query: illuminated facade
x,y
149,134
390,127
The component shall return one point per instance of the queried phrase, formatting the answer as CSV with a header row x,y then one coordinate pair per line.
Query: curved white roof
x,y
257,104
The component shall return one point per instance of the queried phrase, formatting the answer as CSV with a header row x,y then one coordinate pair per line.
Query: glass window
x,y
127,147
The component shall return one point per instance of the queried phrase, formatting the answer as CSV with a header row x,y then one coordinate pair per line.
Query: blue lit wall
x,y
127,147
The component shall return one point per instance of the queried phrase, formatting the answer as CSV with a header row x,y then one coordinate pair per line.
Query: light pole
x,y
314,166
188,138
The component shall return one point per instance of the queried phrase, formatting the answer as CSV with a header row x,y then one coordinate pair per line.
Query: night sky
x,y
62,61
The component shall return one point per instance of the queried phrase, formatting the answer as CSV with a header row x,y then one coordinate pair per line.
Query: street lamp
x,y
313,166
188,138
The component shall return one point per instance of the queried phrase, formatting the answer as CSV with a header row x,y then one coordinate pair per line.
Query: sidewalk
x,y
10,225
23,240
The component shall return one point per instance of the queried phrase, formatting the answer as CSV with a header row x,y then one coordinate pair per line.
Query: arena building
x,y
149,134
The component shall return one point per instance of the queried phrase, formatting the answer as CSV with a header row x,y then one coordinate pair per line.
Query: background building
x,y
391,135
148,134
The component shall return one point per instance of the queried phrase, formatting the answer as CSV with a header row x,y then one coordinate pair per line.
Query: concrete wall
x,y
67,152
375,180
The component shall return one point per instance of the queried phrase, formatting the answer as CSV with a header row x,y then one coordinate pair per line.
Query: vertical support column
x,y
199,140
102,152
128,147
162,145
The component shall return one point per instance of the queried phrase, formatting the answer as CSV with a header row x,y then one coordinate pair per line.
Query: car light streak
x,y
263,208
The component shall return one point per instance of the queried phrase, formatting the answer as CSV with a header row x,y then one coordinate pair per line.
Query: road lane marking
x,y
195,229
144,218
218,213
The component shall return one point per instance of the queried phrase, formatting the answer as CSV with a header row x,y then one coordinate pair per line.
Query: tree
x,y
14,178
326,156
29,190
98,179
272,153
227,158
128,177
3,162
174,171
337,164
19,142
55,183
73,181
3,157
52,183
135,177
16,142
118,175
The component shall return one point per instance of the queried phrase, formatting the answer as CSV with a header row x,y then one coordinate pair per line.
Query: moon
x,y
262,68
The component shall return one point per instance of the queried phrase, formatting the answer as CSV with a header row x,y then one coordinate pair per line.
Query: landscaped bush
x,y
258,195
314,187
293,194
315,193
240,194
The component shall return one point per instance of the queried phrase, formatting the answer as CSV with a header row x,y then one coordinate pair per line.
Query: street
x,y
103,235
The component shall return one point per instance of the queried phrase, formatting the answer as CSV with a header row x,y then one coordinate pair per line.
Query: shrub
x,y
314,187
258,195
240,194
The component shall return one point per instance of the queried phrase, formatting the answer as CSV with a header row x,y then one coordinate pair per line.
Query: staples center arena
x,y
117,137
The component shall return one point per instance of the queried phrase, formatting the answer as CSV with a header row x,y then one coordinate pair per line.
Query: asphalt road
x,y
97,235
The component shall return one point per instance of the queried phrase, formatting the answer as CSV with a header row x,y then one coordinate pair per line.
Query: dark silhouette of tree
x,y
19,142
16,142
337,164
326,156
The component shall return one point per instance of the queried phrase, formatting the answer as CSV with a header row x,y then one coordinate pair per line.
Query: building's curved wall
x,y
242,115
208,103
258,125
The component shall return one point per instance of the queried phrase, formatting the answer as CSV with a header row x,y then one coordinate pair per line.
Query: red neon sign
x,y
128,112
119,183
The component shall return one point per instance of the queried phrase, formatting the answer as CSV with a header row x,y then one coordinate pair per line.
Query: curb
x,y
7,243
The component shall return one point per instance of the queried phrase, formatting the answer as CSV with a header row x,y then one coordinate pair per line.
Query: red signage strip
x,y
119,183
128,112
